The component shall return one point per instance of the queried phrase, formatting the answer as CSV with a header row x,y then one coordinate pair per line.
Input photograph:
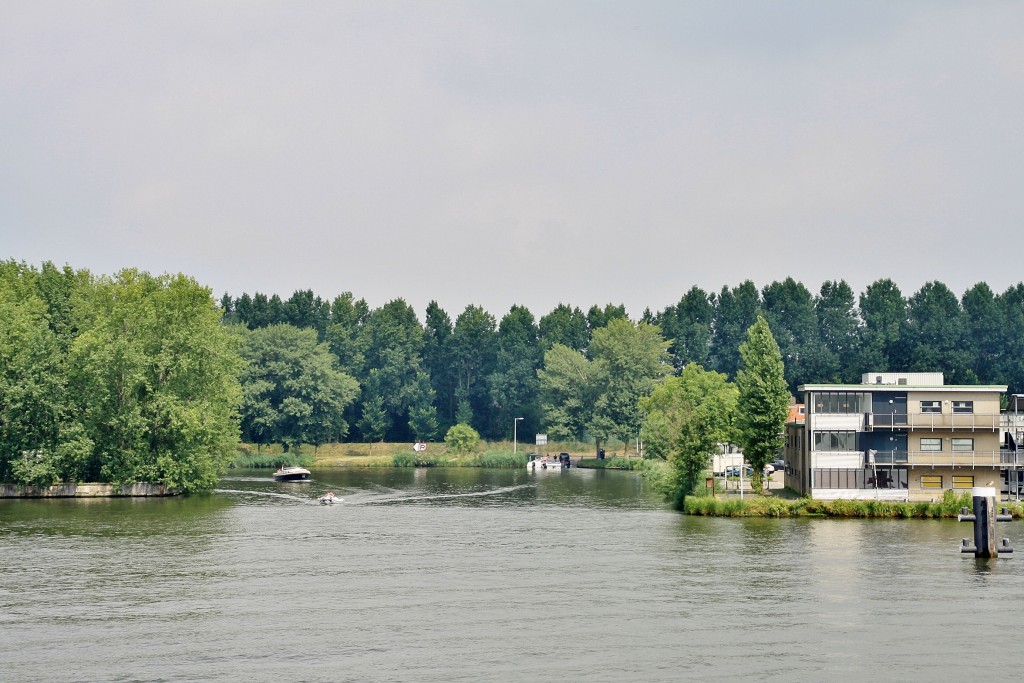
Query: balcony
x,y
1003,459
932,421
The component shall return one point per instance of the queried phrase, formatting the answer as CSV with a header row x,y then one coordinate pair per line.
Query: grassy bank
x,y
490,454
771,506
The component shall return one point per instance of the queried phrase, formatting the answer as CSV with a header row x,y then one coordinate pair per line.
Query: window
x,y
840,402
963,445
963,482
931,406
963,406
835,441
931,481
930,445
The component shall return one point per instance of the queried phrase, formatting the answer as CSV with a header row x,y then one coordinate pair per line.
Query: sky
x,y
530,152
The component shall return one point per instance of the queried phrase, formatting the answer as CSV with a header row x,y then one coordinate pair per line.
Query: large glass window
x,y
963,406
840,402
835,441
931,406
931,445
881,478
963,445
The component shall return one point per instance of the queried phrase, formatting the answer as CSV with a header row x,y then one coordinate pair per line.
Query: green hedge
x,y
770,506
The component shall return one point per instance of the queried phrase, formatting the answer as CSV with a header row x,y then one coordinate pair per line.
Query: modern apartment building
x,y
897,436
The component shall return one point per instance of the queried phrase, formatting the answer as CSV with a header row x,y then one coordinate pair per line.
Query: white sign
x,y
419,446
542,439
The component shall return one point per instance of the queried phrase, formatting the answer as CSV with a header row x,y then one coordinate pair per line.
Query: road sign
x,y
542,439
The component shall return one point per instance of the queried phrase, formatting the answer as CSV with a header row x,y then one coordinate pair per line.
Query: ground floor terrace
x,y
902,482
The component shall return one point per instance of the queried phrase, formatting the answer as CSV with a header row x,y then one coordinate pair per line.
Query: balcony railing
x,y
1001,458
964,421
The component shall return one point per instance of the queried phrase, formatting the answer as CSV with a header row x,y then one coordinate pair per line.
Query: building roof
x,y
902,387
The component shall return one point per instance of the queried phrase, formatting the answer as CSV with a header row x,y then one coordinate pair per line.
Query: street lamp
x,y
515,439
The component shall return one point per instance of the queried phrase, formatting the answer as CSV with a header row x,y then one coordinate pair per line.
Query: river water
x,y
487,575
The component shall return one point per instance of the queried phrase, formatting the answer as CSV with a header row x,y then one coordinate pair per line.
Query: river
x,y
487,575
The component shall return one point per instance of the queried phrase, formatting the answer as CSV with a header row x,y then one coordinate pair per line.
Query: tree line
x,y
121,379
415,380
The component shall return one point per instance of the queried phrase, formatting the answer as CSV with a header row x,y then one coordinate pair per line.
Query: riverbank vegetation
x,y
772,506
120,380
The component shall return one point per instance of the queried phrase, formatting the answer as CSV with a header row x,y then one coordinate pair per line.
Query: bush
x,y
462,438
505,459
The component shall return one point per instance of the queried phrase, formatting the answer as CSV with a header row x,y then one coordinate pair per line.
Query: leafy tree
x,y
763,398
294,381
687,327
1010,368
374,423
933,336
984,324
600,397
789,309
514,385
838,329
686,418
631,358
462,438
394,346
569,386
735,311
474,352
304,309
884,312
566,326
155,379
600,317
422,413
437,360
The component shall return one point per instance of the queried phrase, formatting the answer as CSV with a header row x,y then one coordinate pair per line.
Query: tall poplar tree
x,y
764,398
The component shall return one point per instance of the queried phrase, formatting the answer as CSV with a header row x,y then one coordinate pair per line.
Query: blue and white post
x,y
984,518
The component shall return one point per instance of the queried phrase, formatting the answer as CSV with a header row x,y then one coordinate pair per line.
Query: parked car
x,y
779,465
733,472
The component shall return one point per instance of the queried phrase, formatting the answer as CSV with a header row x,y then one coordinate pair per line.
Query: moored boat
x,y
545,463
291,474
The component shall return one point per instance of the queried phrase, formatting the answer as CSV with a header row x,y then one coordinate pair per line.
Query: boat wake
x,y
392,500
268,494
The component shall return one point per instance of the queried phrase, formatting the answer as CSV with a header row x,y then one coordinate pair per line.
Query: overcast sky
x,y
501,153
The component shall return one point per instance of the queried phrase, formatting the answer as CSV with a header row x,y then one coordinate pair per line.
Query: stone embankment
x,y
85,491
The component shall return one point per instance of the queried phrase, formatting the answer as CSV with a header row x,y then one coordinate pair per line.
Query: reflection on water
x,y
465,574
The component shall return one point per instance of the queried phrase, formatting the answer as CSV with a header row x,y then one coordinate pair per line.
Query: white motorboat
x,y
291,474
329,498
546,463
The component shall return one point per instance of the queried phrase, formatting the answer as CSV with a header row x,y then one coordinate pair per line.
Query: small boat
x,y
328,499
291,474
549,464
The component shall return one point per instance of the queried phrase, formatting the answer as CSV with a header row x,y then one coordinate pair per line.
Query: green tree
x,y
984,326
394,348
884,312
474,352
838,329
763,399
687,417
933,336
600,397
514,385
462,438
566,326
437,360
154,374
294,380
735,311
687,327
789,309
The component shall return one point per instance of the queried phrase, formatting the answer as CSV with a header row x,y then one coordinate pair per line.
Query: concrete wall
x,y
84,491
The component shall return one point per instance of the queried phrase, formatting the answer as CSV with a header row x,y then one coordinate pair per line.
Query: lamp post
x,y
515,435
